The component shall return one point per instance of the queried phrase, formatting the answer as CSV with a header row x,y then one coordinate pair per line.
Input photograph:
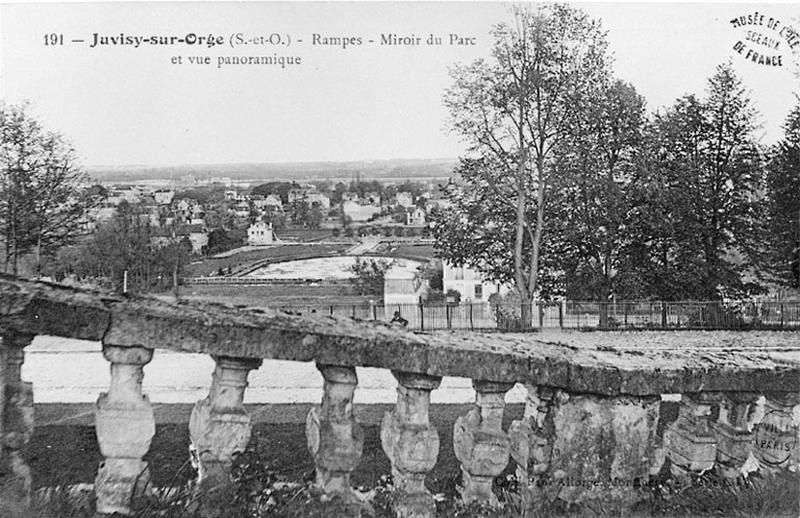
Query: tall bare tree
x,y
513,110
43,200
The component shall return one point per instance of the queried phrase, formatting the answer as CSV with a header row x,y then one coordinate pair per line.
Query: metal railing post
x,y
625,314
541,315
471,324
447,316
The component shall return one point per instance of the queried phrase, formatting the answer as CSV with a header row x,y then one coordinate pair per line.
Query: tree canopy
x,y
44,194
513,111
569,188
782,225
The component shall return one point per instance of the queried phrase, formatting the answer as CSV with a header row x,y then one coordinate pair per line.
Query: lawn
x,y
303,235
211,266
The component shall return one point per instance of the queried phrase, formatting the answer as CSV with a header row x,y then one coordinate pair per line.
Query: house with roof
x,y
415,217
241,209
321,199
402,284
196,234
405,199
164,196
273,201
296,195
260,233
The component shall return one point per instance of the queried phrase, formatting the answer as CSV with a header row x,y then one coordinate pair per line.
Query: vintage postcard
x,y
399,259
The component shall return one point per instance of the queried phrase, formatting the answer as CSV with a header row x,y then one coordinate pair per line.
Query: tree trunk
x,y
603,314
39,257
175,279
526,313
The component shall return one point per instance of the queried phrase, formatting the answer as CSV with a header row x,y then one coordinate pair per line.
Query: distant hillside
x,y
374,169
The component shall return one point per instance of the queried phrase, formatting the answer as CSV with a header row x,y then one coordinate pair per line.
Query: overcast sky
x,y
122,105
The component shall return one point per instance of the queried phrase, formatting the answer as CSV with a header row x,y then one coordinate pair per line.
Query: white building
x,y
321,199
273,200
164,196
184,205
403,285
260,233
241,209
130,194
415,217
469,283
199,239
296,195
404,199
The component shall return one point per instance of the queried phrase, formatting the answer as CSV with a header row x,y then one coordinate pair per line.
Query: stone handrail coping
x,y
635,363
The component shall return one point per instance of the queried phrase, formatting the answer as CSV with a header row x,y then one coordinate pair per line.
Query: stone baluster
x,y
532,436
688,441
219,426
602,448
480,443
125,426
777,439
412,444
335,439
16,418
733,430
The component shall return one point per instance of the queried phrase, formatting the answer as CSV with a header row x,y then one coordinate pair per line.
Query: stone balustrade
x,y
588,432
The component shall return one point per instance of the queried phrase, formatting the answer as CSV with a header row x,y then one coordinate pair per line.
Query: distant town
x,y
257,215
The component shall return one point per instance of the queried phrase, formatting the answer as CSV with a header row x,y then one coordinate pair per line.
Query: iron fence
x,y
587,315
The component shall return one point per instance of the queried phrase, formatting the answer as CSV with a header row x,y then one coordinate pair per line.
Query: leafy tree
x,y
389,193
783,206
315,217
513,111
695,209
43,204
590,196
125,244
368,276
203,195
415,188
221,240
219,215
306,215
433,273
361,187
276,217
338,191
299,212
280,189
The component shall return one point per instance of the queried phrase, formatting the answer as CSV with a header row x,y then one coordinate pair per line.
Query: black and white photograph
x,y
407,259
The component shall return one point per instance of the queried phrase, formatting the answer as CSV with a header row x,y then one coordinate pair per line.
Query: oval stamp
x,y
776,437
764,40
